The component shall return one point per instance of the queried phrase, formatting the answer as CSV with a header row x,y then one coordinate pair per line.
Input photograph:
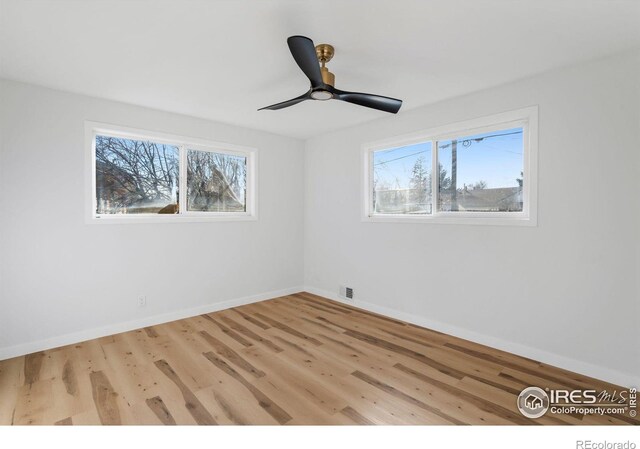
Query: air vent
x,y
346,292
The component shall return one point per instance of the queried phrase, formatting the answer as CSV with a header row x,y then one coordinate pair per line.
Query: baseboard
x,y
89,334
587,369
549,358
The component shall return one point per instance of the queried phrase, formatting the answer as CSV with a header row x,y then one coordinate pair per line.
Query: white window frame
x,y
526,118
183,143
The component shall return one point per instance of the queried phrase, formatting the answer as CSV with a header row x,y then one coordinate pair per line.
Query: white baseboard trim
x,y
587,369
116,328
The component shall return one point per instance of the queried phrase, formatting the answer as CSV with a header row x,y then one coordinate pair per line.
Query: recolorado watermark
x,y
588,444
535,402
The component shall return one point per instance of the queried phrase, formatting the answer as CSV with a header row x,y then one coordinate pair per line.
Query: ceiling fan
x,y
322,80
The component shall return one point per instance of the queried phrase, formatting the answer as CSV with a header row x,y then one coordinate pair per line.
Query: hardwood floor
x,y
299,359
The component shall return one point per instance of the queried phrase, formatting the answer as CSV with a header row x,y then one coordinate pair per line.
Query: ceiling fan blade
x,y
286,104
304,52
379,102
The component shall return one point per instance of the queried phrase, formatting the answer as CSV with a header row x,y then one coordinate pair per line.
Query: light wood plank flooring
x,y
299,359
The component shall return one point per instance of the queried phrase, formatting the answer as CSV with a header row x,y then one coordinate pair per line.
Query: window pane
x,y
136,176
216,182
402,180
481,173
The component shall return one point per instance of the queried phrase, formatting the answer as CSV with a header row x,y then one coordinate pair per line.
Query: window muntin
x,y
514,179
482,172
402,180
139,176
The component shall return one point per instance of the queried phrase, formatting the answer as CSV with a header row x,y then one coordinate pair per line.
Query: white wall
x,y
575,275
564,292
63,280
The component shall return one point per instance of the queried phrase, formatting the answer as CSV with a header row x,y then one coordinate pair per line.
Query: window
x,y
136,176
216,182
142,176
485,173
402,180
481,173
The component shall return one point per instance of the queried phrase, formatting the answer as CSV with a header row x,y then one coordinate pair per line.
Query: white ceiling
x,y
222,60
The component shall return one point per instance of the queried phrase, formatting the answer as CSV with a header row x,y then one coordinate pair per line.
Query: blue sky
x,y
497,159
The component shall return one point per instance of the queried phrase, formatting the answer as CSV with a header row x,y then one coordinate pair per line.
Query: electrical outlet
x,y
142,301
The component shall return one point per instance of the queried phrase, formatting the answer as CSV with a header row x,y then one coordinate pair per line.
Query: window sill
x,y
173,218
466,219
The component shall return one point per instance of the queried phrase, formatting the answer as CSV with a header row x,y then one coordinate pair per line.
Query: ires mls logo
x,y
534,402
633,401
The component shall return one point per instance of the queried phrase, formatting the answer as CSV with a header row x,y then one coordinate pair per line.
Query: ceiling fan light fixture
x,y
321,95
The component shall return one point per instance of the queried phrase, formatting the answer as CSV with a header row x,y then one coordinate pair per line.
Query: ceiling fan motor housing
x,y
325,52
328,77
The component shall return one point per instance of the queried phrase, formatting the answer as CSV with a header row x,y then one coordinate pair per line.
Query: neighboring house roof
x,y
215,192
113,182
